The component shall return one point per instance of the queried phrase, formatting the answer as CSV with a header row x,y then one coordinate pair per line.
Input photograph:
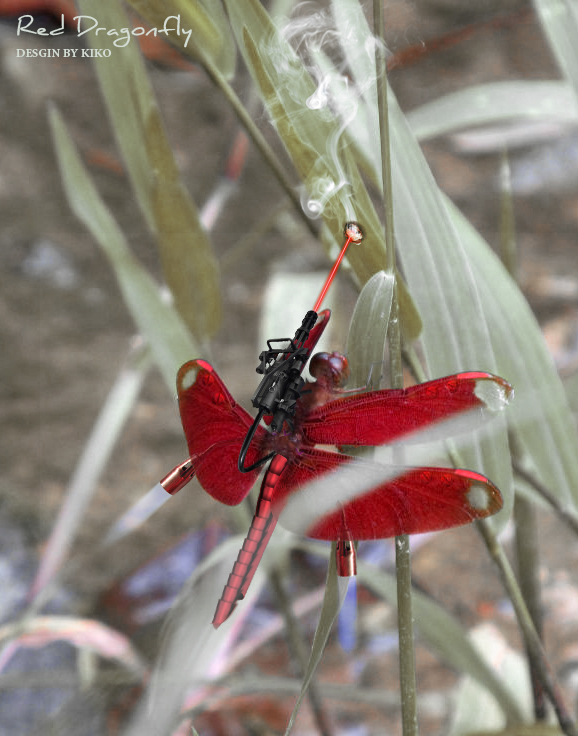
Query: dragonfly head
x,y
330,369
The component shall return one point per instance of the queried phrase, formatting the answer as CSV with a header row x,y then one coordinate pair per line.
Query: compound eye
x,y
330,368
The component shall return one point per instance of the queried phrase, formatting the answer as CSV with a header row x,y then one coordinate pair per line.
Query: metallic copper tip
x,y
346,558
178,477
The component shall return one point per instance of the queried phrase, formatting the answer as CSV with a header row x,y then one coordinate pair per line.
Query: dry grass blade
x,y
158,322
335,590
80,632
189,266
104,437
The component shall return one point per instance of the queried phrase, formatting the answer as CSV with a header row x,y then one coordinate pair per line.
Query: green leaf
x,y
211,37
457,334
189,266
332,600
540,413
367,336
157,321
559,19
476,318
498,102
315,140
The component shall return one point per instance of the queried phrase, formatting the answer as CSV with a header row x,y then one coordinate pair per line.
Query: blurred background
x,y
65,334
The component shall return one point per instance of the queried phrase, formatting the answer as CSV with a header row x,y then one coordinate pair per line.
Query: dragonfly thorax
x,y
286,443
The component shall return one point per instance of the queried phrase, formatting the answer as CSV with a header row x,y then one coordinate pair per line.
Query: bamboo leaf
x,y
498,102
457,332
540,414
158,322
475,317
559,19
211,34
314,138
335,590
366,340
189,266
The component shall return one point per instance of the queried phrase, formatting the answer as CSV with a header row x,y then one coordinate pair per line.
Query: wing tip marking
x,y
494,392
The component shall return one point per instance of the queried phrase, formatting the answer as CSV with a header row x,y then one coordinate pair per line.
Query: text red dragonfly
x,y
418,500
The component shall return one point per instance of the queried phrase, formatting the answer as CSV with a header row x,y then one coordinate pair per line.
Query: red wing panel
x,y
417,500
215,427
420,500
310,465
378,417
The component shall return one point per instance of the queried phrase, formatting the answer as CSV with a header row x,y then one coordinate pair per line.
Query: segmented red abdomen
x,y
254,545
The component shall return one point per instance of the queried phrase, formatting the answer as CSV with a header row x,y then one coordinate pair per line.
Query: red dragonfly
x,y
418,500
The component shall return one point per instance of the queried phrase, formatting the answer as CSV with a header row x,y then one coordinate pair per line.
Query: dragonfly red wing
x,y
416,500
419,500
215,427
378,417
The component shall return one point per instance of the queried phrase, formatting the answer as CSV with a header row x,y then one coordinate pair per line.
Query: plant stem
x,y
298,651
531,638
568,517
527,552
402,548
536,653
527,557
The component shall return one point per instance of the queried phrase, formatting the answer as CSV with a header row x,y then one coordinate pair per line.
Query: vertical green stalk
x,y
527,550
402,550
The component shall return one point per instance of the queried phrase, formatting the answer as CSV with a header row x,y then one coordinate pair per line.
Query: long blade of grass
x,y
497,102
158,322
335,589
476,316
112,418
540,415
559,19
189,266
